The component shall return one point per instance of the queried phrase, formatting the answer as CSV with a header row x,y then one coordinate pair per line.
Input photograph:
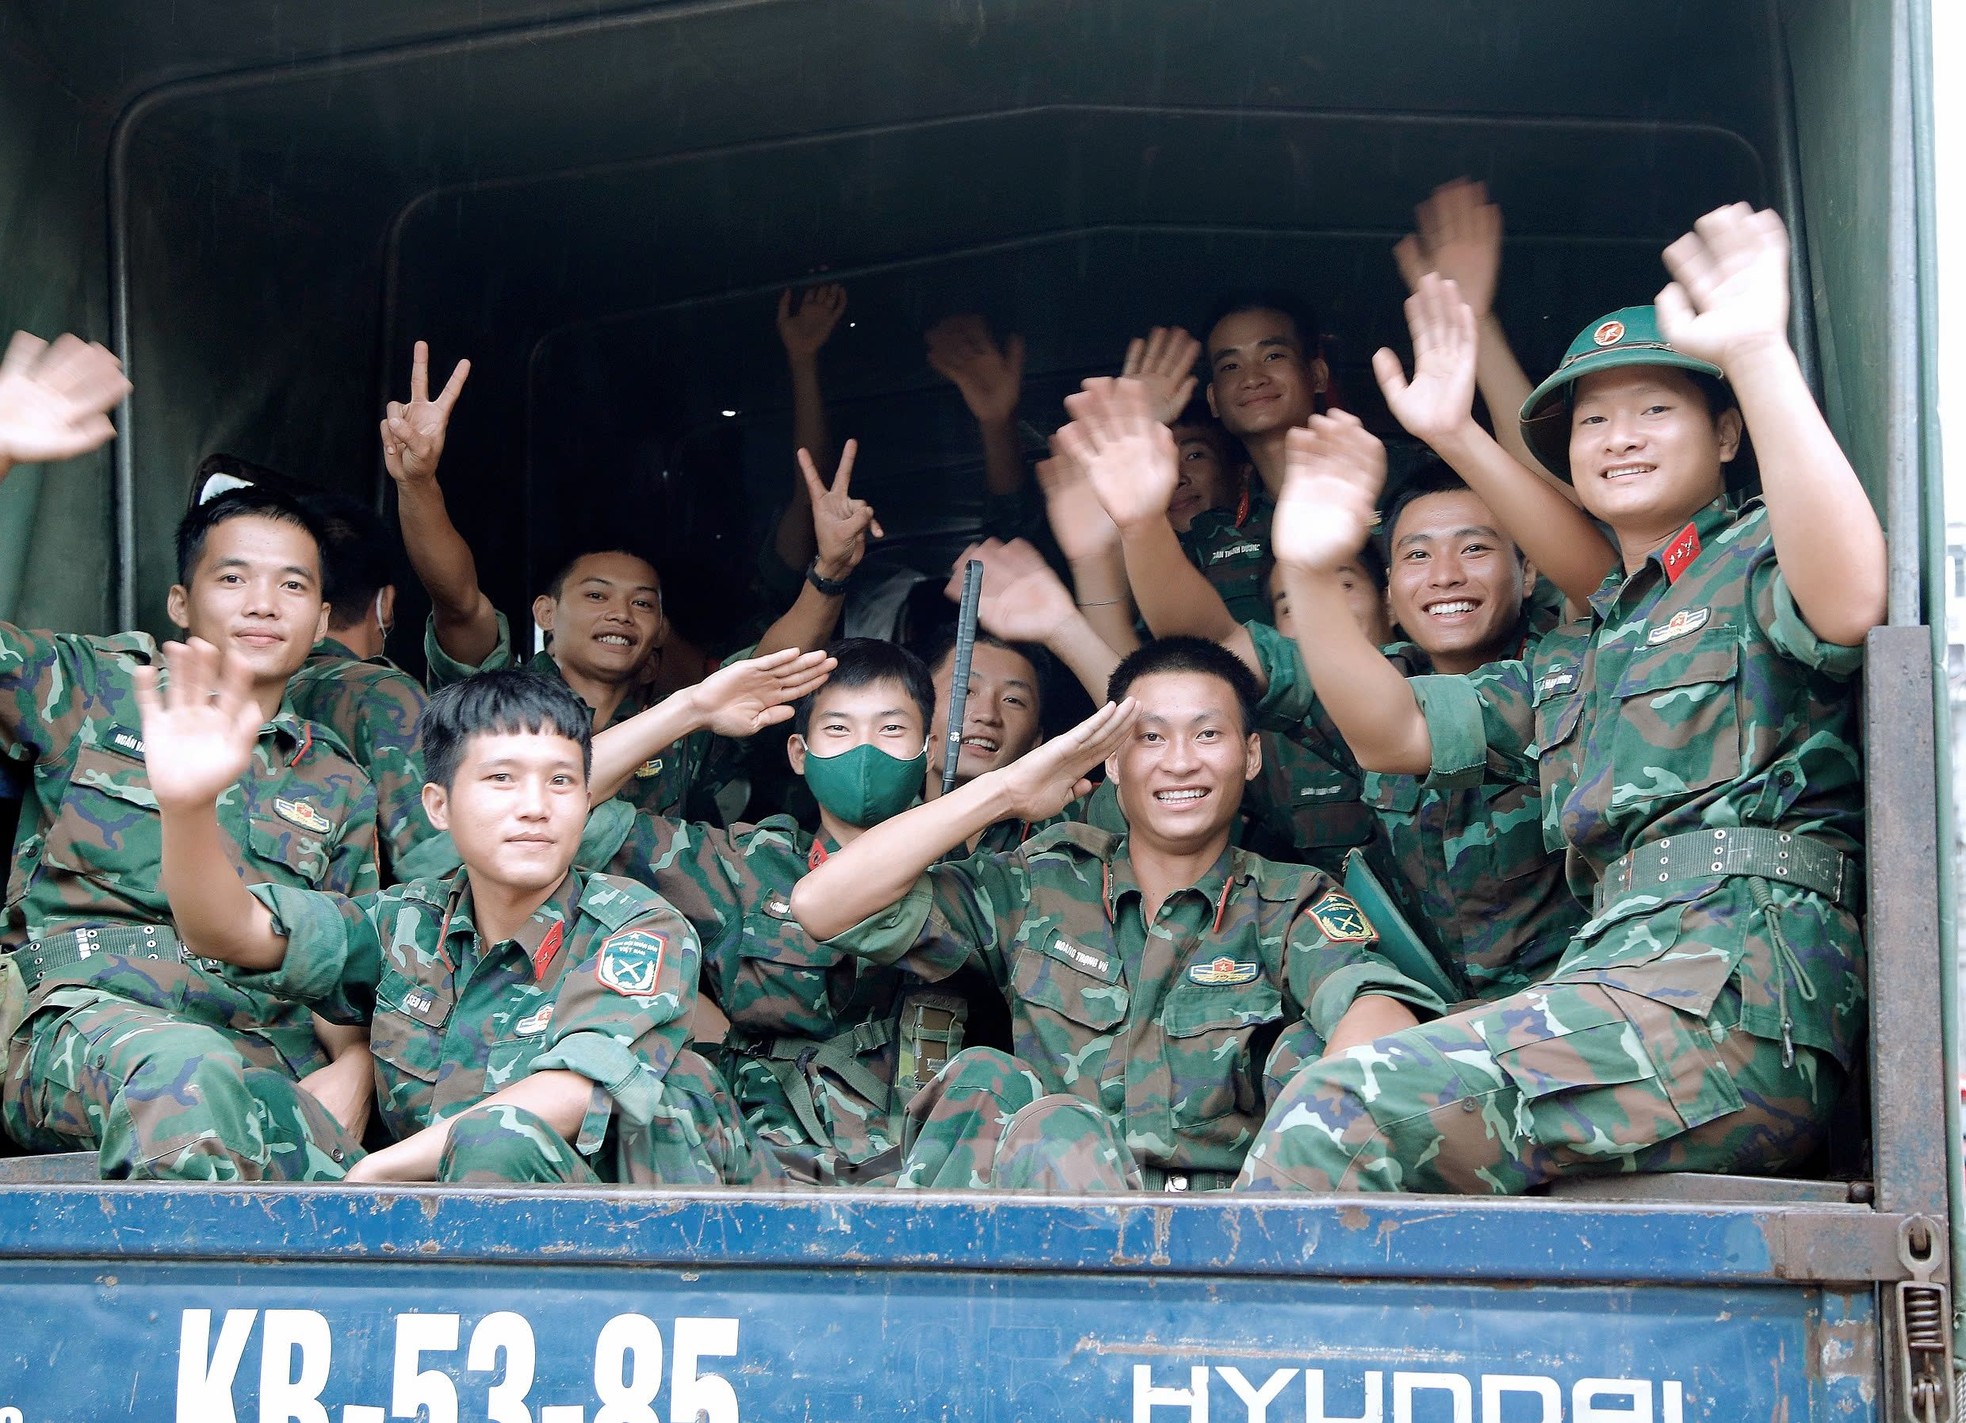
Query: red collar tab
x,y
1680,553
548,950
306,741
1222,903
817,855
1242,507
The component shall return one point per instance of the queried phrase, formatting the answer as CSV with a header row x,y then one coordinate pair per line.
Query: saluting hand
x,y
413,434
806,319
1730,289
1127,453
1050,776
1334,470
1439,400
841,524
1459,237
54,400
962,351
746,697
199,725
1022,599
1164,362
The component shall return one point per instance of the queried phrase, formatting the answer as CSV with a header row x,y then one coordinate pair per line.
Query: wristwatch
x,y
831,587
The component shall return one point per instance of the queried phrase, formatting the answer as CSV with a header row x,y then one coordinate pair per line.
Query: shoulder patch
x,y
1342,920
1223,971
631,963
303,814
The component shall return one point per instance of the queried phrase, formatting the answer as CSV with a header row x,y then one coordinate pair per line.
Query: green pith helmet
x,y
1624,338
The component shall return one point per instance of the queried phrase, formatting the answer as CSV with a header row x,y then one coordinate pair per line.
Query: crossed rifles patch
x,y
1342,920
631,963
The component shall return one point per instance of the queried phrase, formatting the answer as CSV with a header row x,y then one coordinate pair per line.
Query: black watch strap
x,y
831,587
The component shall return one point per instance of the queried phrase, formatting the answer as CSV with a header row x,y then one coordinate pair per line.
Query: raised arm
x,y
198,735
412,447
1132,464
805,322
55,399
841,526
1023,601
1728,303
962,351
1164,362
1333,473
1090,541
1437,406
737,701
882,865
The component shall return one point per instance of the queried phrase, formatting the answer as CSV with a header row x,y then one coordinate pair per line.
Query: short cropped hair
x,y
864,661
558,583
355,550
941,648
1188,654
1288,304
255,501
508,702
1432,477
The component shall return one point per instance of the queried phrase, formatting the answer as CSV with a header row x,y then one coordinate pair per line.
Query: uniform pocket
x,y
1558,716
107,825
407,1031
1045,978
1678,727
295,852
1217,1040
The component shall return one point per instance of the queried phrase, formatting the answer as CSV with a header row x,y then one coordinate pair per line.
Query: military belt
x,y
37,958
1756,851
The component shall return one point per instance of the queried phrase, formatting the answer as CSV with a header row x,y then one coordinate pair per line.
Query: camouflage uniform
x,y
1705,1017
814,1052
136,1056
1163,1028
1232,549
600,981
663,785
1469,864
374,707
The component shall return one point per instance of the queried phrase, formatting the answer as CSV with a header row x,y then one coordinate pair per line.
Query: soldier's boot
x,y
695,1136
985,1120
496,1143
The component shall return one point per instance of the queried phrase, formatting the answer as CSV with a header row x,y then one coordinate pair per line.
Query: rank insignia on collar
x,y
1680,554
1343,921
300,813
631,963
534,1021
1684,621
649,768
1223,971
121,738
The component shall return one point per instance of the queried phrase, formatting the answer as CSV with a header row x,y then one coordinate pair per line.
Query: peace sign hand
x,y
841,524
413,434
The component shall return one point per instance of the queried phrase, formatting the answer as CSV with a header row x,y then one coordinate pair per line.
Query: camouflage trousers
x,y
986,1120
829,1112
1567,1078
157,1097
695,1138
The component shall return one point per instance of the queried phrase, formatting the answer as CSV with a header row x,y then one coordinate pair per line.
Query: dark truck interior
x,y
261,204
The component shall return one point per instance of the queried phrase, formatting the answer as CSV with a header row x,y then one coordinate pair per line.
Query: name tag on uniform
x,y
417,1001
1557,679
1223,971
1092,963
1241,550
1686,620
122,739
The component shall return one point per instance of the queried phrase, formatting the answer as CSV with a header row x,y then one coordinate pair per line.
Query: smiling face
x,y
1260,380
606,617
1182,770
1204,480
1455,584
1000,719
255,594
515,808
1645,452
1362,596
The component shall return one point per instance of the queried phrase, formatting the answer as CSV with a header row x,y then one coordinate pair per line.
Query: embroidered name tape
x,y
122,739
300,813
1681,623
1090,962
418,1001
1223,971
1557,679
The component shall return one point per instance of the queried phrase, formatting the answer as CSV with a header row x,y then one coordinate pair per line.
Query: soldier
x,y
1695,738
1003,715
1148,974
528,1020
350,687
127,1048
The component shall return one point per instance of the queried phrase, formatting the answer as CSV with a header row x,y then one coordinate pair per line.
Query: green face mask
x,y
866,785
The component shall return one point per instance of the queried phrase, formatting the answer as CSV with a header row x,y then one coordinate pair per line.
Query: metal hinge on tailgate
x,y
1924,1324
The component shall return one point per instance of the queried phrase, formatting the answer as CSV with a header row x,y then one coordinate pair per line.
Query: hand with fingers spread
x,y
1729,295
744,698
413,433
1022,599
1128,455
1459,237
1438,402
1334,472
1164,362
55,399
1044,780
840,523
1079,522
200,723
963,352
806,318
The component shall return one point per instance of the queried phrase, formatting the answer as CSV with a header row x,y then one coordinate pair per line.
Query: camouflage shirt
x,y
374,707
1481,888
1693,695
1232,549
661,785
1164,1026
600,981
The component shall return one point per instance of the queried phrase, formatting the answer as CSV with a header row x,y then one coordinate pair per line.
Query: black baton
x,y
959,678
